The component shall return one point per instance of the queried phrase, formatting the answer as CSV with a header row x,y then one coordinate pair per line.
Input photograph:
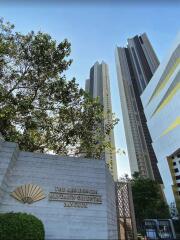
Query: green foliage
x,y
20,226
39,108
176,224
148,199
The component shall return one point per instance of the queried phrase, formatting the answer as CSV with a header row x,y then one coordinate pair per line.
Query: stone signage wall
x,y
74,197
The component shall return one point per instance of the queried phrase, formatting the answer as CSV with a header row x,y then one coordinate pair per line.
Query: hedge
x,y
20,226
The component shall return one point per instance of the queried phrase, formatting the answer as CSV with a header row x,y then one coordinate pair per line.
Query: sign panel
x,y
75,197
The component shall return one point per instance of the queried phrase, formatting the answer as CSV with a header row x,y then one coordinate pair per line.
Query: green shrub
x,y
20,226
176,224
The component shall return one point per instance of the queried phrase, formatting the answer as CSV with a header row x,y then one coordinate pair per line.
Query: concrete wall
x,y
111,205
97,221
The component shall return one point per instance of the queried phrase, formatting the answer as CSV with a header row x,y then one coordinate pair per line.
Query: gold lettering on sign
x,y
75,197
75,204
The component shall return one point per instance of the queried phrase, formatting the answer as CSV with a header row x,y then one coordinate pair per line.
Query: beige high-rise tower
x,y
98,85
136,65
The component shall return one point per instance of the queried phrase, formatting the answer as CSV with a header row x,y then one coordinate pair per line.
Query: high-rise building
x,y
136,65
98,85
161,102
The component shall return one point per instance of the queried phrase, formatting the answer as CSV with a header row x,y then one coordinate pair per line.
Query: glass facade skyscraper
x,y
136,65
98,85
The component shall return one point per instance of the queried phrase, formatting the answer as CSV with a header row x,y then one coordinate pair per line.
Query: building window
x,y
174,163
178,184
176,170
177,177
140,38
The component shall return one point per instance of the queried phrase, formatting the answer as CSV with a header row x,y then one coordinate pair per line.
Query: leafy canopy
x,y
148,199
18,226
39,108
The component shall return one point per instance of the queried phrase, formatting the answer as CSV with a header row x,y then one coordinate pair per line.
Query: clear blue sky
x,y
94,31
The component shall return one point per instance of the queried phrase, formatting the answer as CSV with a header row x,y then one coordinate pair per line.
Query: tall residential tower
x,y
98,85
136,64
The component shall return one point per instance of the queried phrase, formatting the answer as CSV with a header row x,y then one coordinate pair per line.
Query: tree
x,y
148,199
17,226
39,108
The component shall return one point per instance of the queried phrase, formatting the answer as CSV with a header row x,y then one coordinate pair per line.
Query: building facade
x,y
174,167
161,102
136,65
98,85
76,196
